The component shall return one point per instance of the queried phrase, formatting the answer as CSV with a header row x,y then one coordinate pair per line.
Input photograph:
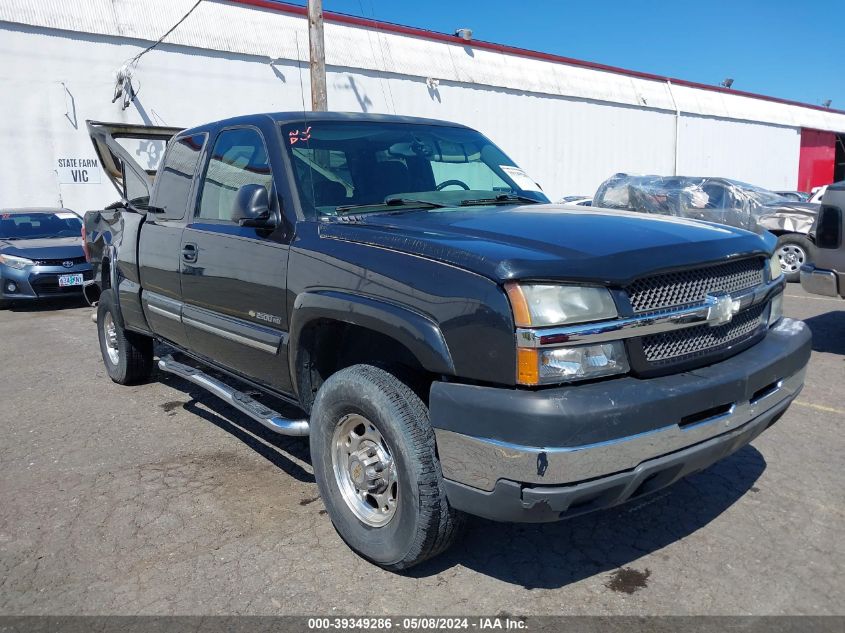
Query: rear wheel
x,y
793,251
374,458
128,356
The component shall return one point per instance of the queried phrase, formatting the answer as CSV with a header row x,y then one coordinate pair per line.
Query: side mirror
x,y
251,207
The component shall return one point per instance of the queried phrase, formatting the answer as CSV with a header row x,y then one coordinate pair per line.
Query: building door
x,y
816,161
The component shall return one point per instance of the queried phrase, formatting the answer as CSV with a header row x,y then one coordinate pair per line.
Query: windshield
x,y
362,164
29,226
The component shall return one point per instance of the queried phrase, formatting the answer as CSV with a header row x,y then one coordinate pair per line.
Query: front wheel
x,y
793,251
128,356
374,458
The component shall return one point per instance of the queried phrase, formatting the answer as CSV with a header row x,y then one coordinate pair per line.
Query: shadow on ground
x,y
275,448
828,332
48,305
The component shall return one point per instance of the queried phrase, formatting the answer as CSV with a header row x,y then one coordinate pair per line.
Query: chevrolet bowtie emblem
x,y
721,309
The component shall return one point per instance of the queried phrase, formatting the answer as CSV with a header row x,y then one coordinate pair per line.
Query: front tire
x,y
793,251
128,356
374,458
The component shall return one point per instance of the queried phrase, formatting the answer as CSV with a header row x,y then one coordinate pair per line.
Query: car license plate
x,y
70,280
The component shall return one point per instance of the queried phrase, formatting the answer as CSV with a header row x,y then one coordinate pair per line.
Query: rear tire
x,y
375,461
793,250
128,356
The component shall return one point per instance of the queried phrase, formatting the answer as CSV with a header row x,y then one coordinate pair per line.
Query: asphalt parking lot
x,y
159,499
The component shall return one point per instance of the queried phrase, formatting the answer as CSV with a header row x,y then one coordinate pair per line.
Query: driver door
x,y
233,276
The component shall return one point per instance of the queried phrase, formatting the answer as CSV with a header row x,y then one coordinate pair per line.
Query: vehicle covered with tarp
x,y
719,200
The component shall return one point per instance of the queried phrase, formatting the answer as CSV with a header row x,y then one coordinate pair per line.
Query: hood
x,y
555,242
44,248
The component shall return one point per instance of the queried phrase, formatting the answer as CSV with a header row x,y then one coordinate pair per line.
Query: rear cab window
x,y
176,176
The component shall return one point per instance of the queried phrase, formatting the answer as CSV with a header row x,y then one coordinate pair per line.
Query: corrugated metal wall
x,y
760,154
569,127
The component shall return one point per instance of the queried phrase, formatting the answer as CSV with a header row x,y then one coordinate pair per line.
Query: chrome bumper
x,y
480,463
819,282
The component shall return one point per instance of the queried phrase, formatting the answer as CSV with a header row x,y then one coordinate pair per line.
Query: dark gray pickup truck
x,y
455,343
827,275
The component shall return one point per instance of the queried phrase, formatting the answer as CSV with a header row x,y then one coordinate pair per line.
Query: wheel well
x,y
327,346
806,236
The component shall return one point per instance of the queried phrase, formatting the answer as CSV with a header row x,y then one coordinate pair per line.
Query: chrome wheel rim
x,y
364,470
791,257
110,337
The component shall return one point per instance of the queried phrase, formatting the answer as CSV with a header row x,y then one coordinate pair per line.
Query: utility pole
x,y
317,52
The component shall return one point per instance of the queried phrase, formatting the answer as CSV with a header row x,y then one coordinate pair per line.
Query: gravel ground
x,y
159,499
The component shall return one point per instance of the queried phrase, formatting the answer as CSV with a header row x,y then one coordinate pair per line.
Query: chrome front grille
x,y
690,287
689,343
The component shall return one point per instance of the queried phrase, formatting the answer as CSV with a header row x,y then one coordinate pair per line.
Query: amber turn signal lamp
x,y
527,367
521,315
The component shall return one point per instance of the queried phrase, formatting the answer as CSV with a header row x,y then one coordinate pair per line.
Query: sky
x,y
788,49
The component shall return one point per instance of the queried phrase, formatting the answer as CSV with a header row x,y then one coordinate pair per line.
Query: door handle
x,y
189,252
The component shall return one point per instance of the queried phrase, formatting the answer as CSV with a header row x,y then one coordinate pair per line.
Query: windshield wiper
x,y
388,204
503,198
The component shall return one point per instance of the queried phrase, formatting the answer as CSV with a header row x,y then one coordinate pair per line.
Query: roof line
x,y
389,27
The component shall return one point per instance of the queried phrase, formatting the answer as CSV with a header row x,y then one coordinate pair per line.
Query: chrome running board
x,y
241,401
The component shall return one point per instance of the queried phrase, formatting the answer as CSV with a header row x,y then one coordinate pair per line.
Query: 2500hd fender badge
x,y
263,316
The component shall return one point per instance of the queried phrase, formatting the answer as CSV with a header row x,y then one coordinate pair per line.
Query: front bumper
x,y
518,455
40,282
820,282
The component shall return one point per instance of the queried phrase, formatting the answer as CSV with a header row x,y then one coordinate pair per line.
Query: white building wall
x,y
57,80
761,154
231,26
569,127
566,145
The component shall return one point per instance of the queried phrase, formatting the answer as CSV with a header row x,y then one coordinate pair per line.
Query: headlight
x,y
16,262
775,269
565,364
776,309
540,305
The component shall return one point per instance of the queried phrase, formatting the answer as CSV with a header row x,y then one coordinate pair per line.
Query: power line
x,y
124,88
134,60
381,79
